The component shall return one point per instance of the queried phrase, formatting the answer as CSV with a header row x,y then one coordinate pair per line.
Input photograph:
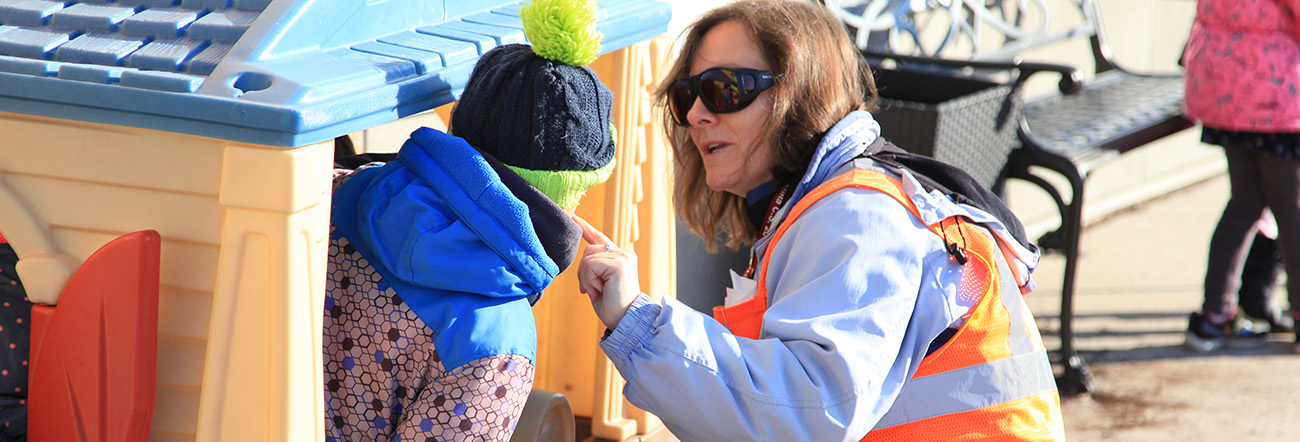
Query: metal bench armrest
x,y
1071,77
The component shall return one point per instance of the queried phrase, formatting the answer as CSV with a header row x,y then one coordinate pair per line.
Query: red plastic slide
x,y
94,355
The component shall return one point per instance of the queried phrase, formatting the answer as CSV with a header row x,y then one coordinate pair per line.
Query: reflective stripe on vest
x,y
992,379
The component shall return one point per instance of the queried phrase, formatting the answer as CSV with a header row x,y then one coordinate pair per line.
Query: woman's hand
x,y
607,274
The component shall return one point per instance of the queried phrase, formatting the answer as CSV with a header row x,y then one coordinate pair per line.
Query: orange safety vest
x,y
992,380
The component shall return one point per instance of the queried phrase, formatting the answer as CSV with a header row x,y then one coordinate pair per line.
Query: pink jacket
x,y
1243,65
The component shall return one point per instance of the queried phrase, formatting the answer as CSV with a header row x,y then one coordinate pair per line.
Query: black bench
x,y
1071,132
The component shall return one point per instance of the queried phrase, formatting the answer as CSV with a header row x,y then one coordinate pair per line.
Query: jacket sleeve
x,y
852,310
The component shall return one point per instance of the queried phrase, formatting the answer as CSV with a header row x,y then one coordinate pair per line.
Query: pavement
x,y
1139,276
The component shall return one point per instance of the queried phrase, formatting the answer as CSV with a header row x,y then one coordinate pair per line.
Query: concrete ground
x,y
1139,276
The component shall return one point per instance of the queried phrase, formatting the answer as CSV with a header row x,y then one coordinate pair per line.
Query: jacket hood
x,y
452,242
559,234
843,142
440,218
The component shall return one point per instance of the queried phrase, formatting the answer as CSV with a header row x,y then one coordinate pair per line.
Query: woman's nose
x,y
698,115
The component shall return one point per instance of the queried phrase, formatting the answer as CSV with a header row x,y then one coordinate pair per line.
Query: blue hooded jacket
x,y
454,242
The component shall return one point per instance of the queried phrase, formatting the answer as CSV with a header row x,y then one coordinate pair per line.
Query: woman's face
x,y
737,156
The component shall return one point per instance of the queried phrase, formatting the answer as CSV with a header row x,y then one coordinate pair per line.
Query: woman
x,y
869,304
1243,85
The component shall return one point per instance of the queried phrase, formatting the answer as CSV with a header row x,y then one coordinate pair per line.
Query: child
x,y
437,256
1243,76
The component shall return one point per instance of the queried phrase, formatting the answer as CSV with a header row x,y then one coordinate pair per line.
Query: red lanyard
x,y
766,229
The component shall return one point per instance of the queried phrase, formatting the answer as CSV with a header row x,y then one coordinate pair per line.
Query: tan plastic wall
x,y
245,229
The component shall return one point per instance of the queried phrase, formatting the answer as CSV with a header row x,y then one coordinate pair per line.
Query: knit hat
x,y
538,108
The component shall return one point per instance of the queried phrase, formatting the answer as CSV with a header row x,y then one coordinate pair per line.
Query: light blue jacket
x,y
858,289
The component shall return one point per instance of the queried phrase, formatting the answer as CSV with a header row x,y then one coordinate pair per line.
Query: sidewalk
x,y
1140,275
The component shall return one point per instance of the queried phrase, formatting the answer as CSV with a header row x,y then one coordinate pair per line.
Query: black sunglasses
x,y
722,90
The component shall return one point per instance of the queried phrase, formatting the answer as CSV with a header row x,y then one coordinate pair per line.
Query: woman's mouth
x,y
714,147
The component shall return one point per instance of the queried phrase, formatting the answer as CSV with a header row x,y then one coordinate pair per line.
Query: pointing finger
x,y
589,233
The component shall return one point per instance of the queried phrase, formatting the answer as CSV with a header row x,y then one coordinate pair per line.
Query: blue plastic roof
x,y
282,72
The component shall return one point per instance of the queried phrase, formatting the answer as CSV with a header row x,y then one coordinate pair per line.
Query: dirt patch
x,y
1108,412
1132,410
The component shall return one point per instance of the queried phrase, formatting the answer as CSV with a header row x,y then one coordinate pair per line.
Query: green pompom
x,y
562,30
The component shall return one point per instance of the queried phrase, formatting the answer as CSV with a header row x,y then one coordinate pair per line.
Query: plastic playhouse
x,y
171,159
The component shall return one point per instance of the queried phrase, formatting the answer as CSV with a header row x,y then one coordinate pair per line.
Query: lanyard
x,y
766,229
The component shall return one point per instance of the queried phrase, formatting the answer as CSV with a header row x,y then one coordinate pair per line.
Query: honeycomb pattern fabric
x,y
384,380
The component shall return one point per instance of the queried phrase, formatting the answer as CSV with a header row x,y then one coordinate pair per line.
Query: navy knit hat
x,y
546,116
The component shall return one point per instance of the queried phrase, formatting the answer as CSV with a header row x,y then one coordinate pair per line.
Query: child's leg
x,y
1281,178
1229,244
1257,296
480,401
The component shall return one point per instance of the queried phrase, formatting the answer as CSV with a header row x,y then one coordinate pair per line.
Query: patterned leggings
x,y
383,377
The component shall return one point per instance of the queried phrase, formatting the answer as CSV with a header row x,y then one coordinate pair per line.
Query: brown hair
x,y
820,78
